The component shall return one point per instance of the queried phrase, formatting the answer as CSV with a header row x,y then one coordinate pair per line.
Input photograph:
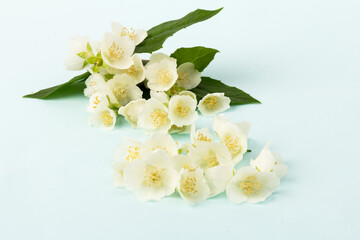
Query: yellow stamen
x,y
189,185
130,33
107,119
115,52
250,185
183,78
182,110
203,138
132,71
211,102
153,176
159,117
133,153
96,102
163,77
119,92
232,144
212,160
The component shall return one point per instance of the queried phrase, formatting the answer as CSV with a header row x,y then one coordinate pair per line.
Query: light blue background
x,y
300,58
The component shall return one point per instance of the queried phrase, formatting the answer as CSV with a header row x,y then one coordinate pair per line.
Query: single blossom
x,y
161,141
132,110
94,84
201,135
161,72
215,160
252,186
188,76
152,177
213,103
268,161
135,35
116,51
232,136
104,118
77,45
182,110
97,100
154,117
122,90
136,71
193,187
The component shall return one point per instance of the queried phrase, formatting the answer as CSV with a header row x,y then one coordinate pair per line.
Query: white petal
x,y
213,103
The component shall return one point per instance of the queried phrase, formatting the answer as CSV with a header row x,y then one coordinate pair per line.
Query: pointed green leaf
x,y
49,91
199,56
209,85
91,60
88,47
158,34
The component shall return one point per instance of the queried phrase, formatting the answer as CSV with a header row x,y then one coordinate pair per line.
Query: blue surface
x,y
300,58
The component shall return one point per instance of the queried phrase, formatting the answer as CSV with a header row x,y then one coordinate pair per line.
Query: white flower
x,y
94,83
181,161
160,72
252,186
122,89
132,110
97,100
151,177
117,51
161,141
213,103
188,76
269,162
188,93
104,118
137,70
182,110
192,186
201,135
136,35
215,160
77,45
128,151
232,136
154,117
161,96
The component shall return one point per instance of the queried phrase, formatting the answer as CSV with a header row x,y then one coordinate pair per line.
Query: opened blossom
x,y
182,110
121,89
213,103
132,110
152,177
135,35
188,76
161,72
96,101
192,186
117,51
94,84
252,186
104,118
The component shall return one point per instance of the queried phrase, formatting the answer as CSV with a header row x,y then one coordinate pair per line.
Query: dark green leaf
x,y
200,56
158,34
44,93
209,85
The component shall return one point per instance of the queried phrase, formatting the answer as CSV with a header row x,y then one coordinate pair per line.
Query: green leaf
x,y
209,85
199,56
44,93
158,34
88,47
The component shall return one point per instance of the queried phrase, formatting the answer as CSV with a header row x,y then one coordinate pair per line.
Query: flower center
x,y
182,110
162,148
126,32
92,84
133,153
153,176
159,117
163,77
183,78
115,52
250,185
107,119
189,185
119,93
211,102
232,144
132,71
203,138
212,160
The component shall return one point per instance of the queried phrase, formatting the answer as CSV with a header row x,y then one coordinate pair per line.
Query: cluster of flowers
x,y
198,170
118,75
